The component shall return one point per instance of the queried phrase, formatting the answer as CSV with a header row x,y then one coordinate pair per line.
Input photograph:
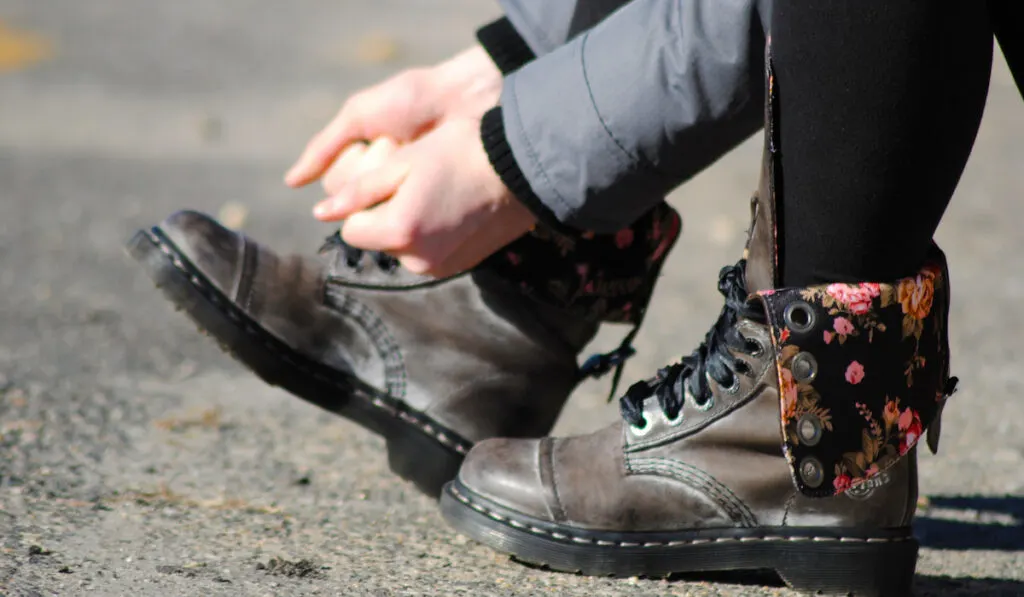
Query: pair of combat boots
x,y
786,441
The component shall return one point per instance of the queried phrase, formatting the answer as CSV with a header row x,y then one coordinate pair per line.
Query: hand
x,y
436,204
402,108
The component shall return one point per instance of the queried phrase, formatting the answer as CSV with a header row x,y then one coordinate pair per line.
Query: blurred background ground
x,y
136,459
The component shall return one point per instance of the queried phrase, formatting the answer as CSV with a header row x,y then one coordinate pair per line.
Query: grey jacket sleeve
x,y
547,24
607,124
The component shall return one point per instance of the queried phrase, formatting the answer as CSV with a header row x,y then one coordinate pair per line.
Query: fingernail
x,y
322,209
330,207
298,168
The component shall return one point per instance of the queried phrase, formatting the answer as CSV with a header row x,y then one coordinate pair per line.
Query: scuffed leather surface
x,y
474,354
728,472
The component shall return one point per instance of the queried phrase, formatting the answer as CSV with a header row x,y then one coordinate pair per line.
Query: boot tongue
x,y
762,251
762,255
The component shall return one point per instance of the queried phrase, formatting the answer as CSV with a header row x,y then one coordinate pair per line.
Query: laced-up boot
x,y
785,442
432,365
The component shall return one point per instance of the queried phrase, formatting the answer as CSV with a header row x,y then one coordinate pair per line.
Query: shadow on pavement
x,y
924,585
945,586
973,522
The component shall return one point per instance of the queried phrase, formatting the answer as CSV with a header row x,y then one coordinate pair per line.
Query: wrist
x,y
469,77
471,65
507,170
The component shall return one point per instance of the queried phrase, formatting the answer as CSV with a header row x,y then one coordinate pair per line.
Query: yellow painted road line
x,y
22,49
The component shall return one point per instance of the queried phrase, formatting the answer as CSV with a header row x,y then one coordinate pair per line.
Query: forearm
x,y
599,133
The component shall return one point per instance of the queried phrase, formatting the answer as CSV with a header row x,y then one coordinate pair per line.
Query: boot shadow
x,y
972,522
924,585
947,586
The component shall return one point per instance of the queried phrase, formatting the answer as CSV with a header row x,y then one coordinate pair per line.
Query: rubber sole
x,y
419,449
822,560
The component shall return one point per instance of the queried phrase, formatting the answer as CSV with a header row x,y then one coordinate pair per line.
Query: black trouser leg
x,y
879,106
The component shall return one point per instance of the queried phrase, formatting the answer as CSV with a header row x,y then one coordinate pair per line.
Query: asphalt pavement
x,y
137,459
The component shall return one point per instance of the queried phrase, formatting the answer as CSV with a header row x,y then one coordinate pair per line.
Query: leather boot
x,y
432,365
785,442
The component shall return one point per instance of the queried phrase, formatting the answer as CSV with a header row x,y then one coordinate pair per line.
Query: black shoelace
x,y
354,256
712,357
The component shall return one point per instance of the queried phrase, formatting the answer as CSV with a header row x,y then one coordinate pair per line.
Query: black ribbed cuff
x,y
506,47
492,132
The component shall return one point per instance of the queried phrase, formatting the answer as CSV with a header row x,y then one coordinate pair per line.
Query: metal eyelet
x,y
641,431
811,472
707,404
676,422
730,389
804,367
799,317
809,430
760,350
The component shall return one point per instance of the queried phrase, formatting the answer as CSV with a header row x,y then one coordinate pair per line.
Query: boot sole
x,y
419,449
816,560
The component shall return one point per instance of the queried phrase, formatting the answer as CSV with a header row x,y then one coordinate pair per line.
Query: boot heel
x,y
422,460
860,569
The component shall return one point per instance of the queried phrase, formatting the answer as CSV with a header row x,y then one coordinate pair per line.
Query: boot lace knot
x,y
713,359
353,256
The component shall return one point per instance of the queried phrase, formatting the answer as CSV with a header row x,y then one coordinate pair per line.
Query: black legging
x,y
879,106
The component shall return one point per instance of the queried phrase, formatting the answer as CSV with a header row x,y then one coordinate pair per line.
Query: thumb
x,y
376,229
367,190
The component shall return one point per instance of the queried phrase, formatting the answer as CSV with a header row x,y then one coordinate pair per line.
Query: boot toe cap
x,y
209,246
507,472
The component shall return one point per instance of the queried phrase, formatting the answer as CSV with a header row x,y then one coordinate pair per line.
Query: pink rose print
x,y
843,326
582,270
910,425
855,373
856,297
623,238
842,483
828,337
513,258
670,236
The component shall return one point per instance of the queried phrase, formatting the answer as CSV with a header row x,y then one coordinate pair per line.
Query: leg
x,y
699,475
879,105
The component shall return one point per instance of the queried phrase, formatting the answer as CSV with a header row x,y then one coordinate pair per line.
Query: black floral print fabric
x,y
607,277
862,372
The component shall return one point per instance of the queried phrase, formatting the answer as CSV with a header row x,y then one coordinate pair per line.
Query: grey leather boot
x,y
432,365
786,442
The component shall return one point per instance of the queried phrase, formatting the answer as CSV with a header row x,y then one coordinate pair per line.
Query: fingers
x,y
355,160
401,108
380,229
346,128
373,180
344,168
